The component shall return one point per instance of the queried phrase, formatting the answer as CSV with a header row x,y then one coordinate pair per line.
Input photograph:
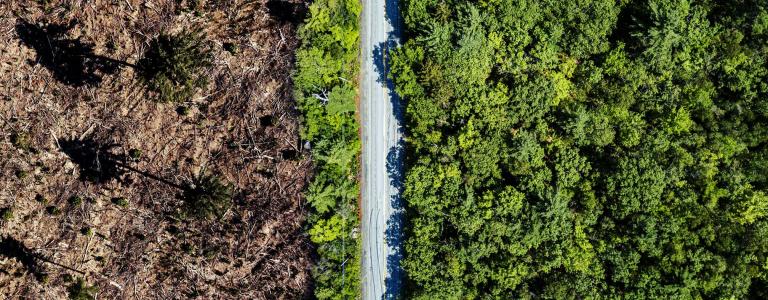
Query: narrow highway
x,y
381,115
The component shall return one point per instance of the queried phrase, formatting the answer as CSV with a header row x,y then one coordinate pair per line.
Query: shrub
x,y
173,65
207,196
87,231
53,210
182,110
44,278
21,174
20,141
40,198
120,201
6,214
75,200
232,48
134,154
188,248
82,291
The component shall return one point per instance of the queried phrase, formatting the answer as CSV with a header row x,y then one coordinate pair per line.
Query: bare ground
x,y
244,126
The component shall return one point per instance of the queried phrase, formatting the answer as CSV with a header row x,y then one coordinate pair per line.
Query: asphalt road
x,y
381,115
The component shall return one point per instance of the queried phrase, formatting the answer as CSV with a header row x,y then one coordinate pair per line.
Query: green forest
x,y
327,67
585,149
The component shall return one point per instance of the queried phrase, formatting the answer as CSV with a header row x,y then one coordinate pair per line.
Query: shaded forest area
x,y
586,149
151,149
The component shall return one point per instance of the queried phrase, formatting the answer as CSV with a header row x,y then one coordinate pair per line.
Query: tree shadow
x,y
287,12
71,61
630,21
205,195
395,157
394,232
94,160
381,58
97,163
13,248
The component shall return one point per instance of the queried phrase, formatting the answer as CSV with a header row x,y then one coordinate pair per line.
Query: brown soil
x,y
256,250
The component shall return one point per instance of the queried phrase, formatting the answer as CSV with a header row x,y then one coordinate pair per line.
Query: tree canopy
x,y
571,149
326,69
173,65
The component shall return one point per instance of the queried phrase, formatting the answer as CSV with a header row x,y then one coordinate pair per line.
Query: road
x,y
381,119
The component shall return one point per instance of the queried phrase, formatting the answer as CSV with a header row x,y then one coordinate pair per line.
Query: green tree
x,y
585,149
326,67
207,196
173,65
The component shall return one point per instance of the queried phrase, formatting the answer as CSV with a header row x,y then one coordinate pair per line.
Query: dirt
x,y
243,127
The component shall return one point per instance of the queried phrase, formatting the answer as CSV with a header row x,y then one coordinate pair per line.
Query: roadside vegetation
x,y
325,83
578,149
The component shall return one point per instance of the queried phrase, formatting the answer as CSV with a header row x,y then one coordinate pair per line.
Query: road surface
x,y
380,116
